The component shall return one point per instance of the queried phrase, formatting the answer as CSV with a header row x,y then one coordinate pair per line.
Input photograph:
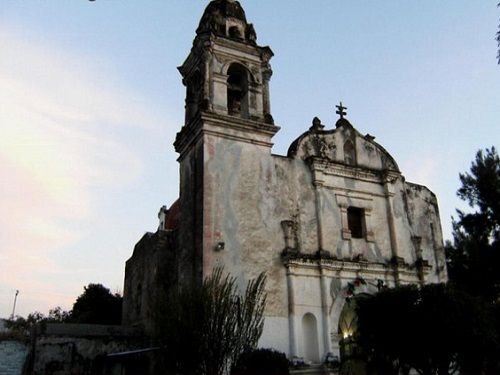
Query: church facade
x,y
332,219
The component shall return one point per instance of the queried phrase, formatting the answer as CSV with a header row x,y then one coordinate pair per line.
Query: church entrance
x,y
352,358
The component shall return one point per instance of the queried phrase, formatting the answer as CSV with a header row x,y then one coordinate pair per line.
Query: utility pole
x,y
14,307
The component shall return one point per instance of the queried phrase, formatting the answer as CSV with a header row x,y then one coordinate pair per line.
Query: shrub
x,y
261,362
203,329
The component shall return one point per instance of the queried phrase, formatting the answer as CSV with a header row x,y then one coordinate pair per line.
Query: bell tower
x,y
227,119
227,73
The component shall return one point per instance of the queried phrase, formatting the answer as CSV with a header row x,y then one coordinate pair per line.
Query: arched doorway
x,y
310,338
352,358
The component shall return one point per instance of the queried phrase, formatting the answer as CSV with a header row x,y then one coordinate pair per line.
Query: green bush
x,y
203,329
261,362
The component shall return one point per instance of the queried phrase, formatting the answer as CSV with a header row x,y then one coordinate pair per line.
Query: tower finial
x,y
341,110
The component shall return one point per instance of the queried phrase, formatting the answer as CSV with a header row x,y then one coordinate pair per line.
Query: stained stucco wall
x,y
149,274
422,209
248,192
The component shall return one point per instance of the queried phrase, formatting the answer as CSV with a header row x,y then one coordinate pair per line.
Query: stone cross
x,y
341,110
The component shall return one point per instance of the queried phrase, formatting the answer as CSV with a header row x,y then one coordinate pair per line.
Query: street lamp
x,y
14,307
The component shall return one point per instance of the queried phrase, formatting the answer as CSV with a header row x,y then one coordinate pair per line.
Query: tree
x,y
434,329
24,326
203,330
97,305
474,256
498,40
58,315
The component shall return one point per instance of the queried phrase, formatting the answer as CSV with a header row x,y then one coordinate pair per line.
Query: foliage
x,y
58,315
261,362
203,330
498,40
97,305
433,329
481,188
23,326
474,256
438,328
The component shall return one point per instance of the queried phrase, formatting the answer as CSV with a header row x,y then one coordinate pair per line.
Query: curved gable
x,y
344,145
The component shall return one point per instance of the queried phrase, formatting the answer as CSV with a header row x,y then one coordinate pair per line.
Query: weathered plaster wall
x,y
189,251
149,274
276,330
423,218
248,193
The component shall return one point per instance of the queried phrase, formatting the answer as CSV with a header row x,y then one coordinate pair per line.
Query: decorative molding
x,y
358,200
240,130
323,263
365,202
331,168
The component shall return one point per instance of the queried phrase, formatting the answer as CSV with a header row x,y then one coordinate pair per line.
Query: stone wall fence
x,y
13,353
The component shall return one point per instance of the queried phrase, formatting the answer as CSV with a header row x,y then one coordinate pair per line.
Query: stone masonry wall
x,y
12,357
70,349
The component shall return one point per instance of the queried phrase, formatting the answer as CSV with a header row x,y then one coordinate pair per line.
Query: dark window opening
x,y
355,221
237,89
234,101
234,32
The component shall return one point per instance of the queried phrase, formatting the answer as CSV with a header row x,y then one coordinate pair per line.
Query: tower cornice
x,y
224,126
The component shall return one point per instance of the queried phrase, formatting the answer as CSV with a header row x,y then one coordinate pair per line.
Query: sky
x,y
91,100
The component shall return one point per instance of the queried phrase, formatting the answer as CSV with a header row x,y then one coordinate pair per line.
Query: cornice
x,y
320,166
225,126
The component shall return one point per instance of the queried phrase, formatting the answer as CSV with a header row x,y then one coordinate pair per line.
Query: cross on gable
x,y
341,110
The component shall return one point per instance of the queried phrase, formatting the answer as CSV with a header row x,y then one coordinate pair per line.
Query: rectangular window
x,y
355,217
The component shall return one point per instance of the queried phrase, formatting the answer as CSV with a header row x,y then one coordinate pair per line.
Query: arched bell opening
x,y
237,91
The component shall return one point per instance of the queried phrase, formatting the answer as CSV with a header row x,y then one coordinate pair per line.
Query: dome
x,y
218,12
223,9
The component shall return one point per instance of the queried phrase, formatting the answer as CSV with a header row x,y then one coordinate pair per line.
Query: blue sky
x,y
91,101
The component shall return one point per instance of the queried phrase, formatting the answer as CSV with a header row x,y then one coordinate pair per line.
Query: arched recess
x,y
310,338
348,322
352,357
237,90
251,77
340,301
